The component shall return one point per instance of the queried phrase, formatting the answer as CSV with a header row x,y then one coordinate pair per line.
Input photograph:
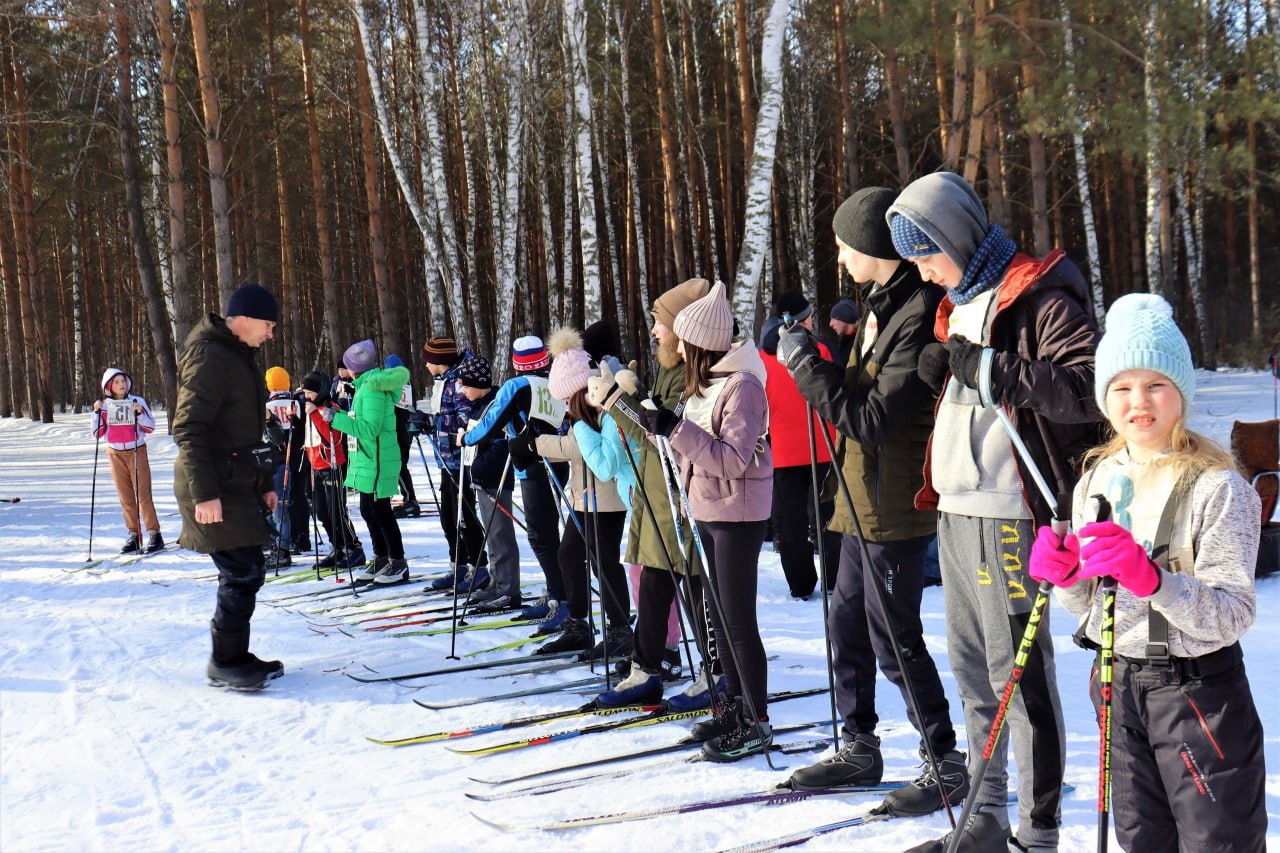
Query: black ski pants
x,y
1187,768
733,550
604,529
793,518
331,509
384,530
241,572
469,549
656,593
542,521
861,635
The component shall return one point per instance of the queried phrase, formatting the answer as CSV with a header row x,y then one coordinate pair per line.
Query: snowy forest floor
x,y
110,738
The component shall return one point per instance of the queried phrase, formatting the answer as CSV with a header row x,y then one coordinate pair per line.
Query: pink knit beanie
x,y
570,364
707,322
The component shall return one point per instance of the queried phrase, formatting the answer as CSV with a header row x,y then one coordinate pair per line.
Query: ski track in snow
x,y
110,739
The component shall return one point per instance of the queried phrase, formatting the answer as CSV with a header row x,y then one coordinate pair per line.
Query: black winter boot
x,y
576,636
233,666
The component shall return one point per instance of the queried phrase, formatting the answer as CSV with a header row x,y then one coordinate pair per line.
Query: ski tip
x,y
491,823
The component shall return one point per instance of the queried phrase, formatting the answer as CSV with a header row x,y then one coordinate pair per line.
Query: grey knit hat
x,y
360,357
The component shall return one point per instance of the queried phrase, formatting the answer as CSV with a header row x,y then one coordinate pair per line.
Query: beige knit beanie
x,y
707,322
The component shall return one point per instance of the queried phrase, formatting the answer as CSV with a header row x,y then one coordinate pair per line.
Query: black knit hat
x,y
792,305
475,372
601,339
252,300
316,381
846,311
860,223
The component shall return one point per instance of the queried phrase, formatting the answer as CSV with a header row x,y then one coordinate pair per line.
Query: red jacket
x,y
787,433
319,438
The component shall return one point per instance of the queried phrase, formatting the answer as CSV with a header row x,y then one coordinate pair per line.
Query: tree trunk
x,y
575,24
745,103
39,403
897,109
152,293
1035,140
847,177
635,215
213,147
747,290
1155,176
1082,172
387,309
670,183
959,96
981,95
185,314
324,235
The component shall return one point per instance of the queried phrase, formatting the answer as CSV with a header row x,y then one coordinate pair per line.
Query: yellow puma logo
x,y
1016,589
984,576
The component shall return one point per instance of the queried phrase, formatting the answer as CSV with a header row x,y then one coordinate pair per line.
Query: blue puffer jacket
x,y
606,456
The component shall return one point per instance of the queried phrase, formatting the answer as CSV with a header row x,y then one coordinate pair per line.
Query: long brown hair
x,y
698,363
581,410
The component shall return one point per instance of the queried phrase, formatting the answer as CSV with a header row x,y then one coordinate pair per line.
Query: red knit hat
x,y
529,353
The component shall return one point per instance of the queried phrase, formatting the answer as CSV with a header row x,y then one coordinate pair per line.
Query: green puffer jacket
x,y
375,465
221,408
643,545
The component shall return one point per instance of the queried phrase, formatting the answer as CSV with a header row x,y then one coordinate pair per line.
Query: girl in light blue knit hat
x,y
1181,543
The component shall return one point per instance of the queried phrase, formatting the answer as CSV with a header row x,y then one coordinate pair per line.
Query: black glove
x,y
933,366
660,421
523,449
965,358
794,346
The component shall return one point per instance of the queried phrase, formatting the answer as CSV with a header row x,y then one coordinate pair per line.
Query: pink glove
x,y
1053,560
1113,553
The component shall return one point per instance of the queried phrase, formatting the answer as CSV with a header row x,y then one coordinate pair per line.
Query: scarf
x,y
986,268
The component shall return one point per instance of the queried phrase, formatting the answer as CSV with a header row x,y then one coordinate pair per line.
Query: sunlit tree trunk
x,y
747,290
184,307
1154,167
152,293
1082,171
575,24
213,149
671,183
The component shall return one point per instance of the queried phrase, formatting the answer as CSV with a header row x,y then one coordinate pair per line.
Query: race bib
x,y
119,412
543,405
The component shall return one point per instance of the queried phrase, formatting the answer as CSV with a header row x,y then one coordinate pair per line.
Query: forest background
x,y
491,168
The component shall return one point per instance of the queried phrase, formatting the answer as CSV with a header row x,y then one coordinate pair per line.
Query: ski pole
x,y
93,489
882,597
457,546
1106,662
430,480
497,501
710,590
1023,653
137,498
822,565
338,515
683,603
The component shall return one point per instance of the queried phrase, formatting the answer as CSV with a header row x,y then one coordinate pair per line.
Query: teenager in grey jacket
x,y
1019,334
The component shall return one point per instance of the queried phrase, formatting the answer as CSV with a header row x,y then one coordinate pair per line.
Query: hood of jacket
x,y
109,375
384,379
742,356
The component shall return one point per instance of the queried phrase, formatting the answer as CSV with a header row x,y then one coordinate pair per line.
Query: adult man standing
x,y
843,322
222,478
883,411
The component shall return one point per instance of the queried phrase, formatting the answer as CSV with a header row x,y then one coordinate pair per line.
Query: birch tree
x,y
575,25
747,294
1082,170
1155,183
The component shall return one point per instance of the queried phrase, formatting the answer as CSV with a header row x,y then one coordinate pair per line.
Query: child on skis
x,y
1186,741
126,422
328,457
600,512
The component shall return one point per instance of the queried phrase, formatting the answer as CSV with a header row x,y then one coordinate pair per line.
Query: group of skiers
x,y
972,401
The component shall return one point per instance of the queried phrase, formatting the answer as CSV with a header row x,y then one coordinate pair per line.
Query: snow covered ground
x,y
110,739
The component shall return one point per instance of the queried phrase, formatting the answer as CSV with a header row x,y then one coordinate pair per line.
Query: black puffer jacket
x,y
221,405
1045,336
883,411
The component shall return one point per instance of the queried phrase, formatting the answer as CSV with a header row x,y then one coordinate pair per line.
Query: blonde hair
x,y
1191,454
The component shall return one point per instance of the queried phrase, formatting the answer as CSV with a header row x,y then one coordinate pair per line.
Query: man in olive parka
x,y
222,478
